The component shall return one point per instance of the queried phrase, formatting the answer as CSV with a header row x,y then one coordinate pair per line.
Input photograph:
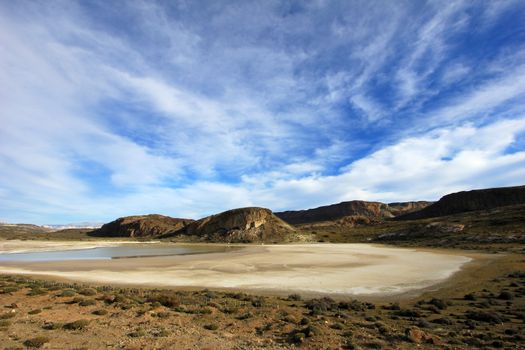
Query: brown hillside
x,y
357,209
141,226
466,201
241,225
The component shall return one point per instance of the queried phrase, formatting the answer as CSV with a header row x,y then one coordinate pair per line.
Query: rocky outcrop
x,y
466,201
241,225
401,208
141,226
360,209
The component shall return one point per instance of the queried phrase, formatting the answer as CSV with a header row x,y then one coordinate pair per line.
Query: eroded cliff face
x,y
466,201
142,226
361,210
241,225
402,208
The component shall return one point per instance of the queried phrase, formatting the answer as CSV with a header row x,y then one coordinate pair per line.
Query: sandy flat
x,y
20,246
358,269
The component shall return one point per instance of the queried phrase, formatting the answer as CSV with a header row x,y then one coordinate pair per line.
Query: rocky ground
x,y
480,308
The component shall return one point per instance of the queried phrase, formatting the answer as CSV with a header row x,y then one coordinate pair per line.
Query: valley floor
x,y
481,306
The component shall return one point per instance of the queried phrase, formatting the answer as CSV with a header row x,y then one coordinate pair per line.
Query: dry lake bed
x,y
352,269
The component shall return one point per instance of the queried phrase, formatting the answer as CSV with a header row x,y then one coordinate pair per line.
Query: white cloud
x,y
189,115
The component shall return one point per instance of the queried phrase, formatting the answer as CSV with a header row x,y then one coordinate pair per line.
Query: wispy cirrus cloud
x,y
186,109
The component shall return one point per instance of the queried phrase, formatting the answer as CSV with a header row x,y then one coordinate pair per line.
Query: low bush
x,y
100,312
7,315
165,300
34,312
439,303
88,291
483,317
76,325
245,316
407,313
321,306
36,342
138,333
87,302
505,295
298,337
36,291
295,297
161,333
311,331
52,326
10,289
337,325
211,327
67,293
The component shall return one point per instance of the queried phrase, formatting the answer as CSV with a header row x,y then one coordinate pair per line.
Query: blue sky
x,y
188,108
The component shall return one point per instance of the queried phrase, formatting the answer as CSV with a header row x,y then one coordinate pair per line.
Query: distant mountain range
x,y
336,221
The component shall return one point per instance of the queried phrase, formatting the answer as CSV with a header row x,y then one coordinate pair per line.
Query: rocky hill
x,y
466,201
241,225
353,209
141,226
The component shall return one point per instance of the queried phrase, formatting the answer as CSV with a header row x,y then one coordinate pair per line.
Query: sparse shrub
x,y
407,313
439,303
52,326
337,326
211,327
36,342
67,293
289,319
258,302
393,306
76,325
163,314
7,315
137,333
88,291
505,295
245,316
305,321
165,300
100,312
230,309
483,317
260,330
87,302
423,324
295,297
4,323
10,289
355,305
161,333
374,345
321,306
311,331
298,337
34,312
443,320
36,291
76,300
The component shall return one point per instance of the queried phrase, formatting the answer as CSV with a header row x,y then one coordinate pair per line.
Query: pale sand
x,y
357,269
19,246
